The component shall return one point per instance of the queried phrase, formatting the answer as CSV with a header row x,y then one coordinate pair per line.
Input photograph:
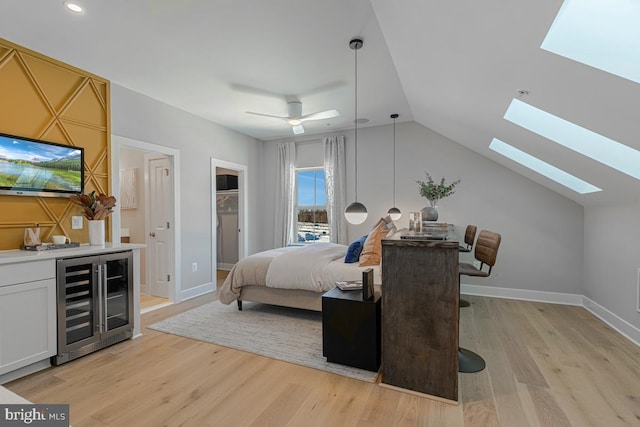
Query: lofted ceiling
x,y
452,66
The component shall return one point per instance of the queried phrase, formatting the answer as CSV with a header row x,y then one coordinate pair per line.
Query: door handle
x,y
152,234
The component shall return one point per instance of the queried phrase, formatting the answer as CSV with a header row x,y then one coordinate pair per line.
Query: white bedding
x,y
315,267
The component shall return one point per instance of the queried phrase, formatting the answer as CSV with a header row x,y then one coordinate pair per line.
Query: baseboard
x,y
196,291
224,266
616,322
625,328
521,294
24,371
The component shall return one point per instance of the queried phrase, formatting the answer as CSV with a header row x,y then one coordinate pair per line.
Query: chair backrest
x,y
470,235
487,247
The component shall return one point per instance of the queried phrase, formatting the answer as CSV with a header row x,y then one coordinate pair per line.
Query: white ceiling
x,y
452,66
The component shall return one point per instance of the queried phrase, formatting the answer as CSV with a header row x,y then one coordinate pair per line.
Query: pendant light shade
x,y
394,212
356,212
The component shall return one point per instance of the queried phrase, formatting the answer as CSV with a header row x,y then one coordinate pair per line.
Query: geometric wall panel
x,y
46,99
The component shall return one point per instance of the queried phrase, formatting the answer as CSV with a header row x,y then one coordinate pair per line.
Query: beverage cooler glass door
x,y
117,290
78,323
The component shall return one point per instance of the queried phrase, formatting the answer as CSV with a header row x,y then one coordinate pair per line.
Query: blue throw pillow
x,y
353,252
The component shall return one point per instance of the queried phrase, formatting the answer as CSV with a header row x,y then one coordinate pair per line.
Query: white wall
x,y
612,259
142,118
134,219
542,231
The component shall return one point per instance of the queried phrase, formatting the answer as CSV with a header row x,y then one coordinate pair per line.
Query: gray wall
x,y
612,258
542,231
142,118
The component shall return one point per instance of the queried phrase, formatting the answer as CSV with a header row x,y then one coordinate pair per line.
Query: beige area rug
x,y
281,333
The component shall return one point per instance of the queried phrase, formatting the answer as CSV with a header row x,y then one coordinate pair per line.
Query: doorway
x,y
145,178
228,216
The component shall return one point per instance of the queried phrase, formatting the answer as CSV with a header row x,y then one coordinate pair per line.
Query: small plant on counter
x,y
434,192
94,207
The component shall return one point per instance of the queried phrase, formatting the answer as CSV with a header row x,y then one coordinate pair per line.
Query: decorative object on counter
x,y
49,246
60,239
96,232
95,209
32,236
415,221
433,192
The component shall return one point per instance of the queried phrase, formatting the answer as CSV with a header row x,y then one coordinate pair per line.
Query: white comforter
x,y
315,267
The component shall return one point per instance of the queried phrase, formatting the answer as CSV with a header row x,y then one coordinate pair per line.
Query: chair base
x,y
464,303
469,362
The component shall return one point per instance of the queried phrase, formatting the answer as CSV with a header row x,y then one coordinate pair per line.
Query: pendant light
x,y
356,212
394,212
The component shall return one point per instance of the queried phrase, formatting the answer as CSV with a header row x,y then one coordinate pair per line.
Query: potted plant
x,y
433,192
95,208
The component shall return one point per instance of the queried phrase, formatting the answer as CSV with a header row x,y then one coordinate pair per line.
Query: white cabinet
x,y
27,314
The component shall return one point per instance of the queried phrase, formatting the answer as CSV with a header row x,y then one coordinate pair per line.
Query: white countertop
x,y
18,255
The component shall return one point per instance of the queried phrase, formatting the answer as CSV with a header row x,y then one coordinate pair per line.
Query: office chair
x,y
469,237
486,252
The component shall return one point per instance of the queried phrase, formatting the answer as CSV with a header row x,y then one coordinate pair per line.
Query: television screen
x,y
30,167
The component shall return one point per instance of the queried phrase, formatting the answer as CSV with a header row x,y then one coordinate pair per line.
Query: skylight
x,y
604,34
542,167
595,146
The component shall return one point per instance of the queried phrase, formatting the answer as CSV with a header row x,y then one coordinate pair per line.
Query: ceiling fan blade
x,y
298,129
267,115
328,114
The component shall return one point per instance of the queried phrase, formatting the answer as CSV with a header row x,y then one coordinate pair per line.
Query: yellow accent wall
x,y
46,99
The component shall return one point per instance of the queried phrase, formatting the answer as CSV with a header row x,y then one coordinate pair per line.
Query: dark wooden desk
x,y
421,292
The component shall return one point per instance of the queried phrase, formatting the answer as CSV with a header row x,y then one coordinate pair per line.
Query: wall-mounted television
x,y
31,167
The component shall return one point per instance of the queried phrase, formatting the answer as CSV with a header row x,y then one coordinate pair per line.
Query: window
x,y
312,223
542,167
600,33
595,146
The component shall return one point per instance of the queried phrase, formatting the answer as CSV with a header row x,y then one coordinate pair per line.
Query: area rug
x,y
286,334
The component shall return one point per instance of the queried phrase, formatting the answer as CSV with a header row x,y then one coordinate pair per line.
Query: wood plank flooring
x,y
547,365
149,301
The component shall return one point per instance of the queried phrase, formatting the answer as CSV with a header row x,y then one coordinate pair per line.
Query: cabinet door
x,y
78,321
117,288
27,324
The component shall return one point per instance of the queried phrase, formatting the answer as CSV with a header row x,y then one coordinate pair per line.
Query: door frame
x,y
243,244
173,155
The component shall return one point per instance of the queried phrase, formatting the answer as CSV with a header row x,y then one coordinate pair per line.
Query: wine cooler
x,y
95,303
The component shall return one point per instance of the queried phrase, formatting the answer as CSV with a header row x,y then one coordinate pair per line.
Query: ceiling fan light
x,y
73,7
294,122
394,214
355,213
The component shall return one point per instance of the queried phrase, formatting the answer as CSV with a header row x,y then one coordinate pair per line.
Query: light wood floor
x,y
148,301
547,365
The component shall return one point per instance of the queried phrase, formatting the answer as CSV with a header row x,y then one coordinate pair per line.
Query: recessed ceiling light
x,y
73,7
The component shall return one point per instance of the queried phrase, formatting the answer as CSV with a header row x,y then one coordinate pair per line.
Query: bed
x,y
293,276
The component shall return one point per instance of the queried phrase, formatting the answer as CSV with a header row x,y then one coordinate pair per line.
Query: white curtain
x,y
285,194
335,170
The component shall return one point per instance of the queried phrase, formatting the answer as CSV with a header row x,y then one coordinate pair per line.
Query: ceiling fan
x,y
295,117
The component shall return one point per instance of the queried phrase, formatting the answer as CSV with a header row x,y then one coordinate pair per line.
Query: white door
x,y
159,247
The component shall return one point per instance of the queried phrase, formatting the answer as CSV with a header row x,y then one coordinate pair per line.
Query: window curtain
x,y
335,170
285,194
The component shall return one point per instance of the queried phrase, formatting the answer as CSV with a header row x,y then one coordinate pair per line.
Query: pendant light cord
x,y
394,162
356,123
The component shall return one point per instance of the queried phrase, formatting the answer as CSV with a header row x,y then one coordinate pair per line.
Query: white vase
x,y
96,232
